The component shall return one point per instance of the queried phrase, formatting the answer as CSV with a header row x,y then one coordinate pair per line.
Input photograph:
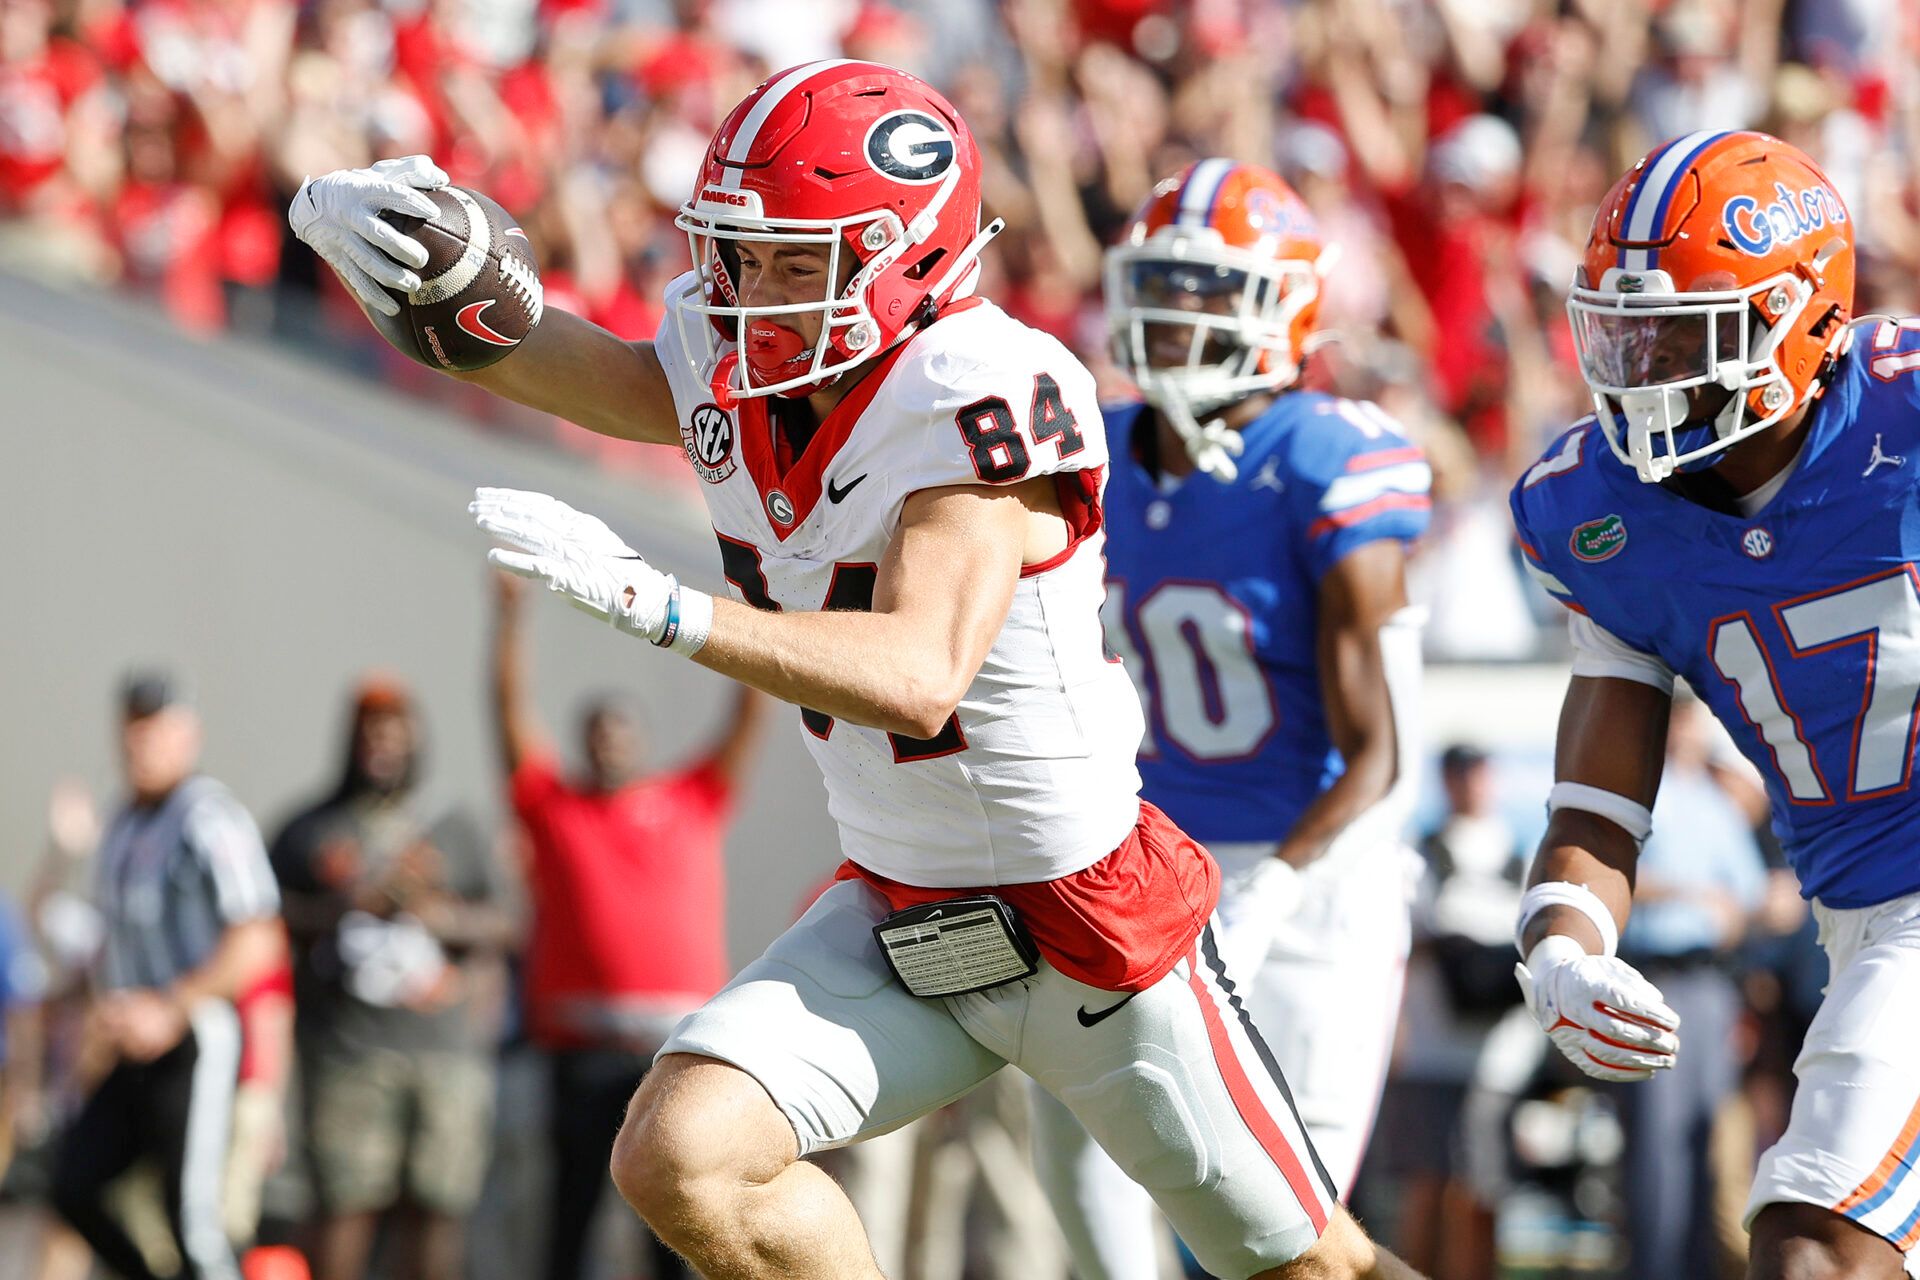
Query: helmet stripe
x,y
750,127
1202,191
1647,210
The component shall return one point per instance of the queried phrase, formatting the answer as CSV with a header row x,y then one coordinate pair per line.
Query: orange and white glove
x,y
1603,1015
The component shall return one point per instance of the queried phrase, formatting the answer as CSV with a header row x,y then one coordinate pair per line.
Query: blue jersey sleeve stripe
x,y
1350,516
1385,458
1368,486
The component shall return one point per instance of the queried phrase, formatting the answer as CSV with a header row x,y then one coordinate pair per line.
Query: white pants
x,y
1173,1081
1326,999
1855,1129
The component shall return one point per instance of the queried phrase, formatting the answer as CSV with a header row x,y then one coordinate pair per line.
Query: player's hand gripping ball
x,y
446,275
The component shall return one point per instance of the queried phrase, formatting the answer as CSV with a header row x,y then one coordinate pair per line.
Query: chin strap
x,y
1213,446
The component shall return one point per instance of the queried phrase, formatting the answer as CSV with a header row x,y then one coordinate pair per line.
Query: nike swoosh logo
x,y
835,493
1094,1019
469,320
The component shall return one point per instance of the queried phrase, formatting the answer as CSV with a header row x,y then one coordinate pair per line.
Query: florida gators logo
x,y
1791,215
910,146
1600,539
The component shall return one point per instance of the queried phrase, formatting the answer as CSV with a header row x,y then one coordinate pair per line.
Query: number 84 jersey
x,y
1798,624
1033,777
1212,595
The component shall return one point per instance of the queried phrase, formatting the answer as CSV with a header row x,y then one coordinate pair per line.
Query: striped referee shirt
x,y
170,879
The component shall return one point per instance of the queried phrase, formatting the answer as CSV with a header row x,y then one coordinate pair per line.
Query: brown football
x,y
479,293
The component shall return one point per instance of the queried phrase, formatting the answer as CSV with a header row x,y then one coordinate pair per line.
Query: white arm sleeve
x,y
1599,652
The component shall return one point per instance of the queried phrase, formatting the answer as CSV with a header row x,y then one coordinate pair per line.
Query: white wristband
x,y
1562,893
689,621
1630,816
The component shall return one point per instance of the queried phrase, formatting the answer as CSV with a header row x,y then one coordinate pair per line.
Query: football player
x,y
906,487
1743,509
1257,538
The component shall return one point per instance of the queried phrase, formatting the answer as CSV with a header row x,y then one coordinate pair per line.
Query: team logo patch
x,y
1757,543
1599,539
1791,215
910,146
708,436
780,507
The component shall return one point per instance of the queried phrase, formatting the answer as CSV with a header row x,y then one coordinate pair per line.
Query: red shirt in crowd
x,y
628,898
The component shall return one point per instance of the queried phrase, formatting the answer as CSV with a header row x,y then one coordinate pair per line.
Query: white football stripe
x,y
1351,491
457,278
750,127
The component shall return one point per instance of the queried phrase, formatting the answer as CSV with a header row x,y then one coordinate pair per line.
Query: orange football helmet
x,y
1212,295
1713,299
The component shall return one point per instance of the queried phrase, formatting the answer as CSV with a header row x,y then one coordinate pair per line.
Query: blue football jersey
x,y
1211,599
1799,626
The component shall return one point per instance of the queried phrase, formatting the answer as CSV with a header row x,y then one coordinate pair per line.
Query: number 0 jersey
x,y
1033,778
1799,625
1212,595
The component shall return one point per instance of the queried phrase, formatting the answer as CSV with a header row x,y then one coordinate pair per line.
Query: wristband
x,y
689,621
1630,816
1561,893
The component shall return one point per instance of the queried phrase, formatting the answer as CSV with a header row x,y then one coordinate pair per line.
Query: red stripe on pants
x,y
1253,1112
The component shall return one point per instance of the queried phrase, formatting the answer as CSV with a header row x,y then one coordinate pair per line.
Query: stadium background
x,y
214,464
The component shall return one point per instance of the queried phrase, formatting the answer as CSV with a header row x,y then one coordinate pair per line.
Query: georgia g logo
x,y
708,437
910,146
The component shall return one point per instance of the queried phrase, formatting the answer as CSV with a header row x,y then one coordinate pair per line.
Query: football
x,y
479,294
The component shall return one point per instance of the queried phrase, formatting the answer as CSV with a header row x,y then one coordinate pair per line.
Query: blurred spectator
x,y
390,922
22,982
1700,877
1459,986
629,920
188,900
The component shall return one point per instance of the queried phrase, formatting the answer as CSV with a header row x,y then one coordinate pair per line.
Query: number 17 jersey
x,y
1799,625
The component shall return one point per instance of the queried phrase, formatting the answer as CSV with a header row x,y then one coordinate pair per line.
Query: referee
x,y
191,915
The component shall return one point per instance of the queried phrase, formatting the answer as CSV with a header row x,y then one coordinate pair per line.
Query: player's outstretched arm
x,y
941,595
574,369
1608,1020
565,365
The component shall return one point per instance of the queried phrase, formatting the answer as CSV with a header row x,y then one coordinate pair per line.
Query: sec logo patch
x,y
1757,543
708,436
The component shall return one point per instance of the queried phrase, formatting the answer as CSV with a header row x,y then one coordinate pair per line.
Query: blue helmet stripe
x,y
1647,208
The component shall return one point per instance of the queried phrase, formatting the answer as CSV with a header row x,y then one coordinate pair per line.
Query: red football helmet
x,y
1212,296
1713,299
864,159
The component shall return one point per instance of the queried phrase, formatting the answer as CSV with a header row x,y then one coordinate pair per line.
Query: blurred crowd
x,y
1455,149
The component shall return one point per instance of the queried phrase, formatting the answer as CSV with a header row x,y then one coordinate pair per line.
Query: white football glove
x,y
1608,1020
1253,905
576,555
338,214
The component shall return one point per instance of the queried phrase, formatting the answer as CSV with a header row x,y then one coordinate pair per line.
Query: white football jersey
x,y
1033,778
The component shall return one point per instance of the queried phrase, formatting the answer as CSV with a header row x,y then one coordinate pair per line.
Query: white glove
x,y
1253,906
1608,1020
576,555
338,214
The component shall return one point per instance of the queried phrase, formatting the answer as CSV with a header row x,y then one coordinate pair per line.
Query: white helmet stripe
x,y
1196,200
1652,197
750,127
